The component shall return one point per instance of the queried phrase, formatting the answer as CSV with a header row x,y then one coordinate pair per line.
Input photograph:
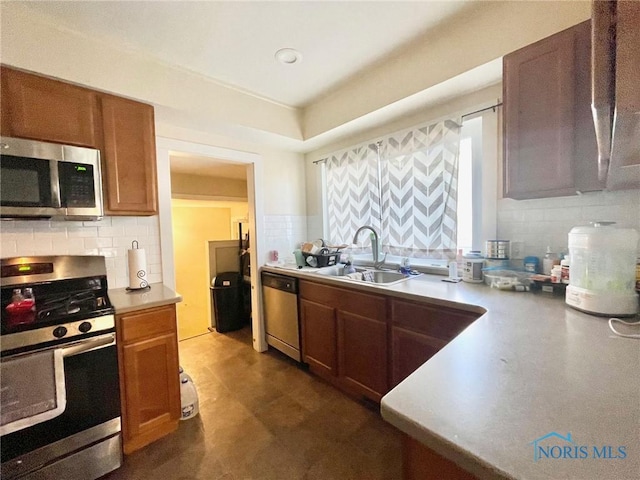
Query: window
x,y
469,214
421,189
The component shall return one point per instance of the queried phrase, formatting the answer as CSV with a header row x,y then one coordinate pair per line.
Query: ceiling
x,y
234,42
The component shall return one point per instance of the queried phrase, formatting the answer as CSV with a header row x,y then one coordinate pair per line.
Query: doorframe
x,y
255,194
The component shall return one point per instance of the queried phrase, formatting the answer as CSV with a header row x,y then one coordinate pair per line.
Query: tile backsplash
x,y
110,237
547,221
284,233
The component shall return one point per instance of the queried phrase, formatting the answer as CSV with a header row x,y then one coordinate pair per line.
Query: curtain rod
x,y
491,107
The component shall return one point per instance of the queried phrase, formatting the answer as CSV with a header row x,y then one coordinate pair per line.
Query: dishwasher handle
x,y
280,282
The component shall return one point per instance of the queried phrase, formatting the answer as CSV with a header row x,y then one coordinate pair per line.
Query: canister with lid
x,y
472,270
498,249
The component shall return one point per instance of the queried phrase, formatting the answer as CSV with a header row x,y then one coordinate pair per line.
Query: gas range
x,y
60,392
44,302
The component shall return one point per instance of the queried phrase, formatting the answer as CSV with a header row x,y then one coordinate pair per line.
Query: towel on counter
x,y
368,276
32,390
354,275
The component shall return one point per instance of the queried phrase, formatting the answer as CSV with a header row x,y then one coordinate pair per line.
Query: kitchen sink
x,y
383,277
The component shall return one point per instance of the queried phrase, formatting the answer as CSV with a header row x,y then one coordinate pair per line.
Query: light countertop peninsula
x,y
125,301
528,367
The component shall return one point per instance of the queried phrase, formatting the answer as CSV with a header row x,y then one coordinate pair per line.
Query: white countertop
x,y
527,367
125,301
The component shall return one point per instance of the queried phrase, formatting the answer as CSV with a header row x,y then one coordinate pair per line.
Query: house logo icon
x,y
567,440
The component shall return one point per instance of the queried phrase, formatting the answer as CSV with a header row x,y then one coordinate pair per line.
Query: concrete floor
x,y
264,417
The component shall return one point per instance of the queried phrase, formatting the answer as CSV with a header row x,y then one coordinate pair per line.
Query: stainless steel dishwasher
x,y
280,297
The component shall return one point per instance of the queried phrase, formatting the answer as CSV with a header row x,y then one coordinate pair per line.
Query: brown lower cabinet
x,y
366,344
421,463
410,350
344,338
319,337
149,379
362,354
419,330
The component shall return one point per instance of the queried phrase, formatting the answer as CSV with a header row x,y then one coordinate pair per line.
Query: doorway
x,y
204,154
197,225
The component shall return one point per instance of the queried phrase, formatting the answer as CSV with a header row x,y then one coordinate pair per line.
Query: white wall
x,y
110,237
539,223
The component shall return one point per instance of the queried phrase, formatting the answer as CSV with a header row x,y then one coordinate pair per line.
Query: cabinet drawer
x,y
439,322
363,304
146,323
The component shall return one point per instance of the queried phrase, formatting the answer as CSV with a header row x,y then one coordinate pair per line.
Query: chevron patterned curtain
x,y
353,197
419,191
407,191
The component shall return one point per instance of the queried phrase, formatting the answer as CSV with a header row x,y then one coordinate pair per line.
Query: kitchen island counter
x,y
528,368
125,301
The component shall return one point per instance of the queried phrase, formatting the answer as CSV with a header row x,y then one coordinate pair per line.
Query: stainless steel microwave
x,y
48,180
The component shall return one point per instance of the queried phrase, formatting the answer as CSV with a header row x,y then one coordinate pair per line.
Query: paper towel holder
x,y
142,274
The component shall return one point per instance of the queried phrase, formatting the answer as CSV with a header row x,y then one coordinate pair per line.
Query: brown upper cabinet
x,y
48,110
549,137
39,108
129,179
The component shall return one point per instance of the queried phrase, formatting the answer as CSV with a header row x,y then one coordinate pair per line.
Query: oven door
x,y
89,423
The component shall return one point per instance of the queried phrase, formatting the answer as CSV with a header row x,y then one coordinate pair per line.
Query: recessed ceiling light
x,y
288,56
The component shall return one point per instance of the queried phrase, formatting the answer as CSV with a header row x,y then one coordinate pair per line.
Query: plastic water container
x,y
188,399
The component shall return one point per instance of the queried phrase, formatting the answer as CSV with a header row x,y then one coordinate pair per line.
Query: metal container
x,y
499,249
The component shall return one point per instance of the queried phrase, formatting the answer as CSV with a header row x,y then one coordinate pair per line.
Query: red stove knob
x,y
59,332
84,327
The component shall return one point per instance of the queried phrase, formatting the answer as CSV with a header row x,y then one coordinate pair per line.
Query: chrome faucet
x,y
375,245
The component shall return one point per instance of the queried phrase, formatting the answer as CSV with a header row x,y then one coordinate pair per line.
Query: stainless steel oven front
x,y
60,392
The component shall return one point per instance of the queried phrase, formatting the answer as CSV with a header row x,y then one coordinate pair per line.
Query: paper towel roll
x,y
137,268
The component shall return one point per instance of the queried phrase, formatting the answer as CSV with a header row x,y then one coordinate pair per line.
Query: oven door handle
x,y
92,344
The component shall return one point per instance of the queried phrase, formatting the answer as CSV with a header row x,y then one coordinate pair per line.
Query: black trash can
x,y
226,302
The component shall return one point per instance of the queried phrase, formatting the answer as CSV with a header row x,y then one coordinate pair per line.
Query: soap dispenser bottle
x,y
550,259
